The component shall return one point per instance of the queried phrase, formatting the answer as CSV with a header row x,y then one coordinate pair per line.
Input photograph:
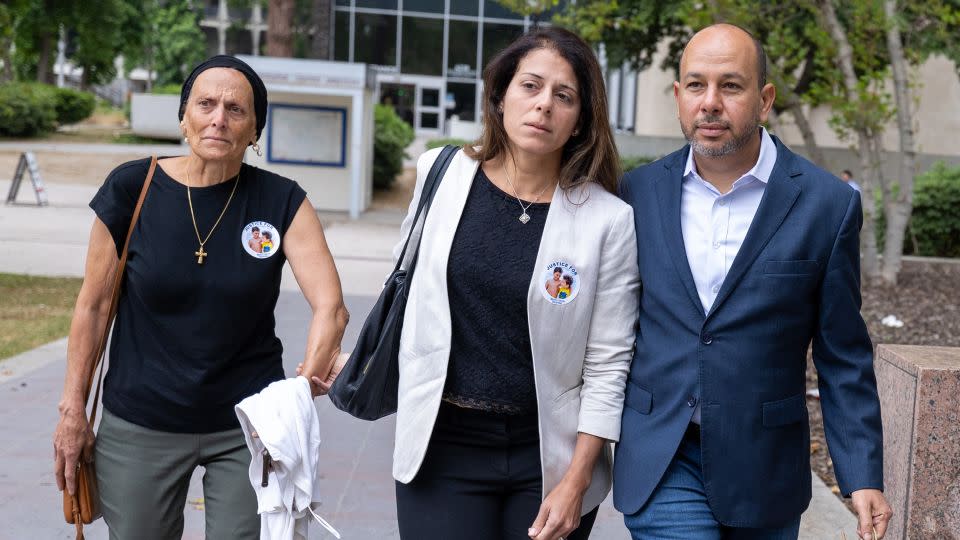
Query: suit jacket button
x,y
706,339
692,402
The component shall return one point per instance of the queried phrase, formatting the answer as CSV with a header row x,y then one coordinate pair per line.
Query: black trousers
x,y
480,480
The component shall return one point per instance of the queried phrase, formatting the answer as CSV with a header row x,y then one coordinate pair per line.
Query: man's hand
x,y
873,513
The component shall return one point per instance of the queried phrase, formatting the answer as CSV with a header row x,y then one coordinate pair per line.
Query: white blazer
x,y
581,349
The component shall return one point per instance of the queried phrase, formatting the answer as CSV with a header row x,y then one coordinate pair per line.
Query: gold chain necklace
x,y
200,254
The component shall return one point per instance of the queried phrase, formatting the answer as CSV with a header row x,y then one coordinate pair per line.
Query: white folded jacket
x,y
285,421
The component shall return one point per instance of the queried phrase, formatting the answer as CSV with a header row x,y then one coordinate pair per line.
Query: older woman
x,y
194,332
511,390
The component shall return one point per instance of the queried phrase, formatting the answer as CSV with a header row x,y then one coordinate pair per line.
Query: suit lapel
x,y
778,198
668,188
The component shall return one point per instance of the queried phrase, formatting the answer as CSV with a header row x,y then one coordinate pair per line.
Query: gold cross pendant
x,y
200,255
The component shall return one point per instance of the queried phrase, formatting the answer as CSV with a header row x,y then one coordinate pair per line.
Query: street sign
x,y
27,163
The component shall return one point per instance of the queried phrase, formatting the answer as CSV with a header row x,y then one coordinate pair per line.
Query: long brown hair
x,y
591,155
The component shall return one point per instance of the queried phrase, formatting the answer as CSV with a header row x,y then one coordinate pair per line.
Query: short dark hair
x,y
568,278
558,269
255,229
589,156
848,173
267,235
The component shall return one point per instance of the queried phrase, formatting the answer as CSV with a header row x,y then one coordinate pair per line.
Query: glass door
x,y
402,97
429,108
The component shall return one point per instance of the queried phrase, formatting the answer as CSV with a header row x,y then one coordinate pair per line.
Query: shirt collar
x,y
761,170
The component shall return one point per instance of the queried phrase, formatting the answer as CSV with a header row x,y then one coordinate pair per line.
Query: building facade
x,y
428,55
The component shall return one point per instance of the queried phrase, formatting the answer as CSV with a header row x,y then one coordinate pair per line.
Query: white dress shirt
x,y
714,225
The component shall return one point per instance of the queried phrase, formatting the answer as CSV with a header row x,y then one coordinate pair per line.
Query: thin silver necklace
x,y
524,217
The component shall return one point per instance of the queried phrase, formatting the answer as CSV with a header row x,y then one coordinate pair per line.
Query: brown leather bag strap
x,y
117,283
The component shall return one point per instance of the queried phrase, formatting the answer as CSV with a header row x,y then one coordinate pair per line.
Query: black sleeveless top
x,y
191,340
491,263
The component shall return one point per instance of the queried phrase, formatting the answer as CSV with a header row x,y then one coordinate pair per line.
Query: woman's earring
x,y
500,109
576,132
256,148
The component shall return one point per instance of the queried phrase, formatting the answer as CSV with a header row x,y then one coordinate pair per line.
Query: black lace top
x,y
491,263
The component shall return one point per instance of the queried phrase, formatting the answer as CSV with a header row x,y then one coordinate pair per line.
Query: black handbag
x,y
367,385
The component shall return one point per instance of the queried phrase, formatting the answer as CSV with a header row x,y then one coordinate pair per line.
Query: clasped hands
x,y
320,387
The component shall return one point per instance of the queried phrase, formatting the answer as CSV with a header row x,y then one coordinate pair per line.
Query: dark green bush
x,y
437,143
934,228
391,137
27,109
73,105
628,163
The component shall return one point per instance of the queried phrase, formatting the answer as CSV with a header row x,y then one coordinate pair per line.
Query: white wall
x,y
328,188
155,115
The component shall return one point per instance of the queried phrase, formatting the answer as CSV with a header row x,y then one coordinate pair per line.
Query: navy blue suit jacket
x,y
795,280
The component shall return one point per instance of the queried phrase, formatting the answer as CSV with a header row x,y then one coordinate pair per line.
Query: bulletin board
x,y
307,135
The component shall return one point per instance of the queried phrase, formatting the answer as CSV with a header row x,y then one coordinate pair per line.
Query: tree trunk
x,y
869,162
7,58
773,120
809,139
44,69
898,208
796,110
279,33
321,22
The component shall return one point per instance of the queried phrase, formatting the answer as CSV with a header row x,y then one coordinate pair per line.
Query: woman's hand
x,y
72,441
320,387
559,513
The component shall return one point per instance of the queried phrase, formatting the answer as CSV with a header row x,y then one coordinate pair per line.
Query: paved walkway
x,y
358,489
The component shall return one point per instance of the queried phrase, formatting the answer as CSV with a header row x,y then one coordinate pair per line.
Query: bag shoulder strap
x,y
430,185
117,284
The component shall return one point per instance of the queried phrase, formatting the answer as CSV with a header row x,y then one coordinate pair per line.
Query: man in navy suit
x,y
747,254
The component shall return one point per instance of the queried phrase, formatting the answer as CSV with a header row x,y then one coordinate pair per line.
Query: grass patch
x,y
34,310
130,138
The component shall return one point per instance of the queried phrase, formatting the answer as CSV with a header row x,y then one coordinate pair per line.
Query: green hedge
x,y
170,88
629,163
934,228
391,137
27,109
437,143
73,105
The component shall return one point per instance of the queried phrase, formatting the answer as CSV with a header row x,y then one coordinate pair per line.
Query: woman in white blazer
x,y
520,320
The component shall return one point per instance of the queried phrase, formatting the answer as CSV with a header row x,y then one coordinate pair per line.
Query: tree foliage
x,y
165,39
162,34
805,58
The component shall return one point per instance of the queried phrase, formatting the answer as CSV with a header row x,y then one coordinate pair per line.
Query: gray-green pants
x,y
143,476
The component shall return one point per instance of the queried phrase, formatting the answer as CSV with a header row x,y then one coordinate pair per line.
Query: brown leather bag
x,y
83,507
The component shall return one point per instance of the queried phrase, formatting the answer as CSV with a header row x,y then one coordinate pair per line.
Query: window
x,y
422,50
464,7
341,36
496,37
429,120
462,53
425,6
493,9
430,97
375,39
378,4
463,98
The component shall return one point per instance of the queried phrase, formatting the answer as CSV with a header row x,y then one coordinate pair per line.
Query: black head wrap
x,y
224,61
